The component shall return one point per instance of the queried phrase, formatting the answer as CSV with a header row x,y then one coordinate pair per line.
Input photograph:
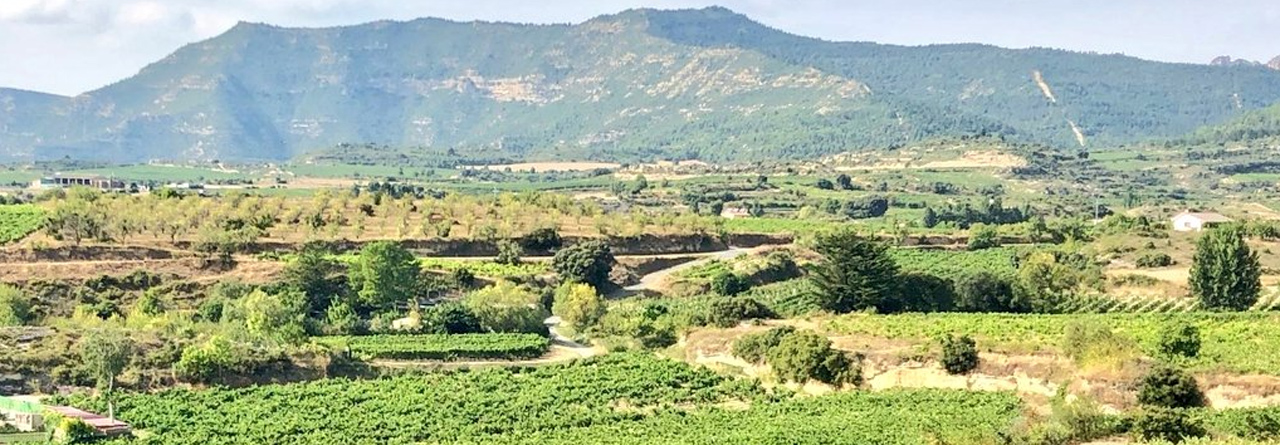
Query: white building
x,y
1195,222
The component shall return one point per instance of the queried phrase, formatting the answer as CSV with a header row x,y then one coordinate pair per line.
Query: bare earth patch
x,y
551,166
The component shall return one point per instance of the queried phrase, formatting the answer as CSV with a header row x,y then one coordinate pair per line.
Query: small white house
x,y
1195,222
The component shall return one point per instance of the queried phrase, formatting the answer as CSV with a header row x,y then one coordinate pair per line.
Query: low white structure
x,y
1195,222
735,212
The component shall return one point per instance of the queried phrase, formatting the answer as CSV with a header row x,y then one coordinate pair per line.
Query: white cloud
x,y
35,11
143,13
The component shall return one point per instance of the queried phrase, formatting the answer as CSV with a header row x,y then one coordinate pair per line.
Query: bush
x,y
755,347
464,278
204,362
341,319
543,239
987,292
1171,425
1180,339
578,305
728,312
729,284
15,308
983,236
1151,260
505,307
805,355
508,253
650,325
1170,387
959,354
451,318
1089,342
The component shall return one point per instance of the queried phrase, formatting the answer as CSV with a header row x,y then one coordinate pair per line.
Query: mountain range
x,y
708,84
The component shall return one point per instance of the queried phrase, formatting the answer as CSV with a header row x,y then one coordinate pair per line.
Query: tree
x,y
586,262
203,362
930,219
844,181
984,291
824,184
959,354
805,355
578,305
1170,388
983,236
15,308
1224,272
1044,283
855,273
105,353
1180,339
729,284
384,273
76,219
921,292
278,317
505,307
341,319
314,273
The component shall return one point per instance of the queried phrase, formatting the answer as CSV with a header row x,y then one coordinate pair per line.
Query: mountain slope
x,y
643,84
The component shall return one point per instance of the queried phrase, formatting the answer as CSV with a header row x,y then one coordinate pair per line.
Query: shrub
x,y
1090,343
728,312
505,307
341,319
729,284
755,347
204,362
959,354
649,325
1151,260
14,307
983,236
578,305
1171,425
464,278
543,239
805,355
508,253
451,318
1180,339
1170,387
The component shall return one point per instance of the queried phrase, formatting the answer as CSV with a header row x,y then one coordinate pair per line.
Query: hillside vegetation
x,y
644,84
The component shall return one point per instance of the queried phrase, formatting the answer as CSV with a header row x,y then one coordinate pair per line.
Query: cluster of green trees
x,y
800,356
964,215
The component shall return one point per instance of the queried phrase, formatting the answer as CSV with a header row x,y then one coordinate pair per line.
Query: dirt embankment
x,y
87,253
636,245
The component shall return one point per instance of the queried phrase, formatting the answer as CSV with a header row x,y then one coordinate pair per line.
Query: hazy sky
x,y
71,46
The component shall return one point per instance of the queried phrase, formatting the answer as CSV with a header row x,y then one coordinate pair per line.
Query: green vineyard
x,y
1232,342
954,264
618,398
19,220
442,346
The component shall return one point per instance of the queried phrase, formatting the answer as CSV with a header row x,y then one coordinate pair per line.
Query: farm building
x,y
735,212
1195,222
28,414
60,181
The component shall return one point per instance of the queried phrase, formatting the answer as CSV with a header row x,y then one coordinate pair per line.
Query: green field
x,y
18,221
442,346
1238,342
618,398
954,264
